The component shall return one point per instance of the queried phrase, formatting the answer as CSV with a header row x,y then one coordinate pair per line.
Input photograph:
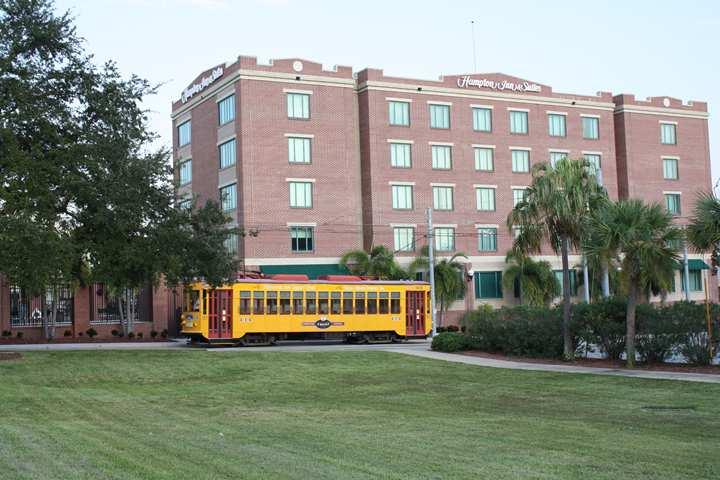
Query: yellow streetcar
x,y
260,311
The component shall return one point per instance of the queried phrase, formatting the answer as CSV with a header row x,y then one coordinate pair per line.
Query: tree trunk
x,y
568,351
630,325
123,317
53,313
440,318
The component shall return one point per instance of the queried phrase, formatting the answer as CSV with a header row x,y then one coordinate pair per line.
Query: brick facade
x,y
352,174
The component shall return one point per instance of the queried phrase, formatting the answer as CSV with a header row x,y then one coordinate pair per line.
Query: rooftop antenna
x,y
472,28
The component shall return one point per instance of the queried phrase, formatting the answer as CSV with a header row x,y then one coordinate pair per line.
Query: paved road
x,y
418,348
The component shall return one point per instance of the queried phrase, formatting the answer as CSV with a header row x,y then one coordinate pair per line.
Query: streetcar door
x,y
414,314
220,313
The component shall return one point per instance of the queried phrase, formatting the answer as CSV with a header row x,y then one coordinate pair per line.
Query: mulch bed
x,y
83,339
10,356
602,363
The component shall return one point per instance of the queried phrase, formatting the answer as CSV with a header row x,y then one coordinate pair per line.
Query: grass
x,y
198,414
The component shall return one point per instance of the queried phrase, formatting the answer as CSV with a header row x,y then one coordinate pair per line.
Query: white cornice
x,y
670,112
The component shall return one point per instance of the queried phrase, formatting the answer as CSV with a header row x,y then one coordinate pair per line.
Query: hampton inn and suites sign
x,y
467,82
201,85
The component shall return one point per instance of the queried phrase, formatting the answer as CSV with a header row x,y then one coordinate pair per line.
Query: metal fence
x,y
105,305
30,311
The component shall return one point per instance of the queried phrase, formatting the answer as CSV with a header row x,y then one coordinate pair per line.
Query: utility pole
x,y
586,279
686,272
431,260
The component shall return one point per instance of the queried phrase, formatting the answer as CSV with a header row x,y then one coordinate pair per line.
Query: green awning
x,y
312,271
693,264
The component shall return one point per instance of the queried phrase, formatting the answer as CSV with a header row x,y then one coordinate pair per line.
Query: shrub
x,y
451,342
520,330
91,332
67,333
6,333
80,334
602,324
153,333
164,333
688,318
657,333
131,335
114,332
19,334
139,335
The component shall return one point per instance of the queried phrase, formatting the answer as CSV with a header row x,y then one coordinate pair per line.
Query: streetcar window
x,y
384,307
258,303
272,306
310,305
335,302
360,302
297,303
372,303
395,302
244,303
284,303
323,303
204,301
347,303
192,300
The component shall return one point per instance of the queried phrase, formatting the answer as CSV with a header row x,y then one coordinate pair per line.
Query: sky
x,y
647,48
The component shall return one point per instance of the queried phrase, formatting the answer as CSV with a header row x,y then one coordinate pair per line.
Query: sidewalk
x,y
494,363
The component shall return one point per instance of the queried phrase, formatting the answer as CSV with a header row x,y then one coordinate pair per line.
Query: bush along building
x,y
316,162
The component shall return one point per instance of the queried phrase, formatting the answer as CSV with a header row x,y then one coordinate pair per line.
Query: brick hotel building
x,y
315,162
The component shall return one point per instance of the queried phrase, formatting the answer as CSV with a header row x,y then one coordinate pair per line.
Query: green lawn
x,y
197,414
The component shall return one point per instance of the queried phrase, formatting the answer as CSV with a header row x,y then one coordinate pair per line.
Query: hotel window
x,y
668,133
696,283
399,113
439,116
518,122
672,203
516,231
301,195
556,125
488,285
183,133
591,128
400,155
441,157
402,197
185,204
228,197
231,244
556,157
442,198
298,105
301,239
227,154
484,159
404,239
485,198
482,119
487,239
518,195
185,172
226,109
520,161
670,168
594,160
444,239
573,280
299,150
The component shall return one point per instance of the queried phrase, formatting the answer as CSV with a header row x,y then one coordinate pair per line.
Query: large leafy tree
x,y
449,278
554,210
642,240
703,231
380,263
81,189
535,279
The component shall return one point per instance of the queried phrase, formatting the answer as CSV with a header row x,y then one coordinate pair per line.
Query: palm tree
x,y
642,240
379,263
703,231
449,278
537,282
554,209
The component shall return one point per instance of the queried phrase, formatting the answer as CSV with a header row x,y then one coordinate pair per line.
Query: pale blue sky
x,y
649,48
